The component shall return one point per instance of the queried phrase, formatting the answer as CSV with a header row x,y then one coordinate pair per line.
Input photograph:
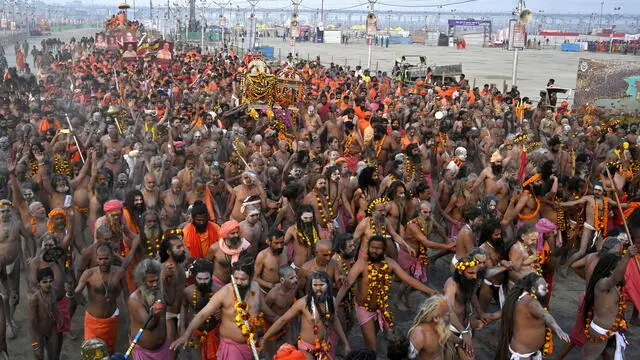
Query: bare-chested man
x,y
503,187
173,205
194,298
226,252
150,192
147,301
372,298
323,260
104,284
595,224
269,261
496,264
280,299
13,237
377,224
172,255
396,210
525,321
301,237
489,176
522,254
430,330
323,207
250,187
233,344
467,235
417,236
253,229
318,318
38,222
602,308
460,291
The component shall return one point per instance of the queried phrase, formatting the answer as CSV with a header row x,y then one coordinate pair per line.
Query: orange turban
x,y
228,227
289,352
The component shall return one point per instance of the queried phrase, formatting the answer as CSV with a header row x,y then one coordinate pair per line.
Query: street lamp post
x,y
294,27
370,33
522,16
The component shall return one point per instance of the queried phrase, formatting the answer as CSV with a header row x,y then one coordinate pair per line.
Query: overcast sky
x,y
564,6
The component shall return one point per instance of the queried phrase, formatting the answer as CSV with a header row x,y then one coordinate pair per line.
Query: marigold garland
x,y
203,337
248,325
534,213
347,147
62,166
423,255
374,230
600,222
618,324
320,205
410,170
377,201
379,145
34,168
463,265
379,284
547,349
303,237
457,161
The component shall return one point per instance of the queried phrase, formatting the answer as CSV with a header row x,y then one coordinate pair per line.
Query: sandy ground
x,y
483,64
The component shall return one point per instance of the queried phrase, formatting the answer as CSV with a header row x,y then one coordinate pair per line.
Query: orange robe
x,y
198,244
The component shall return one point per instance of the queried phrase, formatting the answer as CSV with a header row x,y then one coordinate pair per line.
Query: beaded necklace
x,y
248,325
379,145
303,237
374,232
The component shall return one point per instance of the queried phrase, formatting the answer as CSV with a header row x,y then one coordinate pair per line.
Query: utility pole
x,y
250,42
294,27
601,10
372,25
516,13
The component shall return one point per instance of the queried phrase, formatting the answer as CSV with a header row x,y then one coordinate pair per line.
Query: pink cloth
x,y
218,282
112,205
229,349
161,353
365,316
543,226
412,265
234,253
577,331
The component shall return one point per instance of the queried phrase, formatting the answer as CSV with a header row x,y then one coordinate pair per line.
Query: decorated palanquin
x,y
275,95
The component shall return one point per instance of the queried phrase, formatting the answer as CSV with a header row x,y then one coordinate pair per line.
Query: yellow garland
x,y
423,255
309,242
248,325
463,265
379,284
62,166
600,222
378,201
379,145
324,219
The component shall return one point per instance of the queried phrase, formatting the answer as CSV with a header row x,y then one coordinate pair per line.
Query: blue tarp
x,y
266,51
570,47
399,40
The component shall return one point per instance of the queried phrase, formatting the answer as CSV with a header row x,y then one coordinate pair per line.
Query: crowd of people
x,y
152,190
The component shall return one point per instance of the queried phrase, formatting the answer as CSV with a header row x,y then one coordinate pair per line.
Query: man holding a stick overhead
x,y
242,306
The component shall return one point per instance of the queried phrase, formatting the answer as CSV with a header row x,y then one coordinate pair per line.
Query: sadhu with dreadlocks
x,y
604,306
319,321
377,224
430,330
526,322
301,238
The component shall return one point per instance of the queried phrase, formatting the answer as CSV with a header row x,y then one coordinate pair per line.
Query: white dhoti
x,y
535,355
621,341
596,233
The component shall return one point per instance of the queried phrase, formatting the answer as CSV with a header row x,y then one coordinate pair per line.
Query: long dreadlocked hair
x,y
603,269
508,312
431,312
320,275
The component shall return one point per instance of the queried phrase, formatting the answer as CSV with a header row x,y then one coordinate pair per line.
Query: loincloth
x,y
229,349
102,328
621,341
162,353
413,266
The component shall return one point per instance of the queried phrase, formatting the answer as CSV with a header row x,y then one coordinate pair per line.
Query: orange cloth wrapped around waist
x,y
105,329
208,343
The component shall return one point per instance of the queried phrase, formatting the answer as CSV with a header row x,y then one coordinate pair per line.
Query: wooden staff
x,y
615,192
74,137
235,148
252,342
